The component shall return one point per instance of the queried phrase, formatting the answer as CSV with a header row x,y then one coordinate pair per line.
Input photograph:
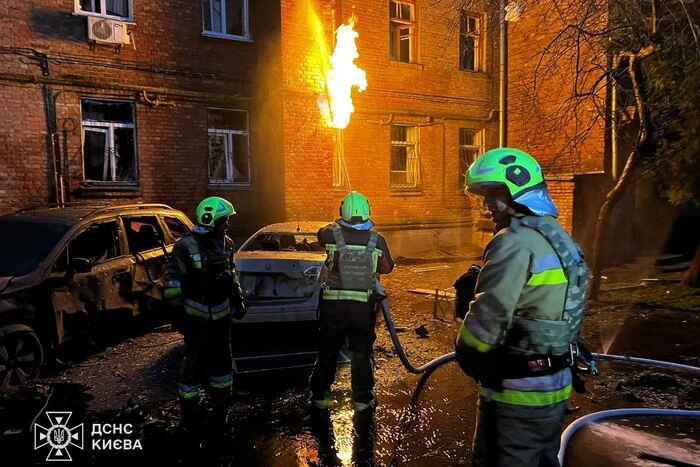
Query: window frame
x,y
223,35
103,3
229,134
417,184
396,25
108,128
479,39
480,134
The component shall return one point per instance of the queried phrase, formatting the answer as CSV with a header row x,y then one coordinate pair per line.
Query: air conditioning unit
x,y
107,31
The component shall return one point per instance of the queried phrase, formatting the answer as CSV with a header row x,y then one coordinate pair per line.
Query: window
x,y
177,228
471,146
405,163
100,242
471,42
226,18
402,31
118,8
229,151
143,233
109,141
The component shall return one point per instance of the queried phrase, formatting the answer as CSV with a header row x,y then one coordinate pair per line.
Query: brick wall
x,y
277,77
566,135
184,71
432,94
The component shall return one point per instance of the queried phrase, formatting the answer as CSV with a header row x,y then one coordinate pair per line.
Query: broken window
x,y
227,18
97,243
177,228
471,42
229,148
405,163
143,233
471,146
109,141
120,8
402,31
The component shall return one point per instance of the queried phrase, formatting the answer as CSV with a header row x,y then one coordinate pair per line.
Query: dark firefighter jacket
x,y
201,277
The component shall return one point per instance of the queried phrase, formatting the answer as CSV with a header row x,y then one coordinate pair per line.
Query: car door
x,y
91,275
148,247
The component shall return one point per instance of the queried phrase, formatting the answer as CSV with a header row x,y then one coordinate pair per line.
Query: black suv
x,y
63,267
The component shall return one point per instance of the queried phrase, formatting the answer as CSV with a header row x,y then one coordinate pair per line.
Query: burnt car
x,y
281,269
63,268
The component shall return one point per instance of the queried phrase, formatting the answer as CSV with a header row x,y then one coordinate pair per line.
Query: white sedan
x,y
281,268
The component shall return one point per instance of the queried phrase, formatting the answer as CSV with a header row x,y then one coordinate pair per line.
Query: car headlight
x,y
311,273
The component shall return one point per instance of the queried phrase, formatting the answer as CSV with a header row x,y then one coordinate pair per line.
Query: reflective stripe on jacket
x,y
355,240
187,279
522,283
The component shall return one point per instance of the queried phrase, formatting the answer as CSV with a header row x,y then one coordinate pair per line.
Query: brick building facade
x,y
199,102
138,119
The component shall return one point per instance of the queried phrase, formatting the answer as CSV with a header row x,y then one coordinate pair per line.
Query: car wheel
x,y
21,357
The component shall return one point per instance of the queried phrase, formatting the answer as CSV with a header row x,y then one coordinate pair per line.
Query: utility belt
x,y
364,296
514,366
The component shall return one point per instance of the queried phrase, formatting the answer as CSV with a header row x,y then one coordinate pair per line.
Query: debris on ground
x,y
422,331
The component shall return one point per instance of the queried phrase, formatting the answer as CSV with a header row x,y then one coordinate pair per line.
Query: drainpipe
x,y
503,100
614,121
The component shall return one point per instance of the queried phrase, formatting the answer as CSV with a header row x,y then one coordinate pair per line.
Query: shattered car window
x,y
98,243
177,228
285,241
143,233
24,244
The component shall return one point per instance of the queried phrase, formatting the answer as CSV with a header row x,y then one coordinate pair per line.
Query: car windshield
x,y
24,244
284,241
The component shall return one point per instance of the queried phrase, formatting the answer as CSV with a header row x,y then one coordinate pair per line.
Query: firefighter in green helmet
x,y
202,290
356,254
518,339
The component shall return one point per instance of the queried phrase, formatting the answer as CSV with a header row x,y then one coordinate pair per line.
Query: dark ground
x,y
129,377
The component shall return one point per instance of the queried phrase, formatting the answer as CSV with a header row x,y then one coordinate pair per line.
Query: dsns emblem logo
x,y
58,436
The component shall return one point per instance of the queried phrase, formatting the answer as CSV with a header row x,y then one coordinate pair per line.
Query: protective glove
x,y
482,367
464,290
239,309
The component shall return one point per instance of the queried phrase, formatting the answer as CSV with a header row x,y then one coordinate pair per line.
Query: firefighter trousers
x,y
510,435
207,358
338,320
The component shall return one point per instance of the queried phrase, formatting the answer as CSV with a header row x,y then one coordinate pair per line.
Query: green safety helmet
x,y
354,208
213,208
515,169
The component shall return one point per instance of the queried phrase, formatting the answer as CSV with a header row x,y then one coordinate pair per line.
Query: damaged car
x,y
281,269
62,268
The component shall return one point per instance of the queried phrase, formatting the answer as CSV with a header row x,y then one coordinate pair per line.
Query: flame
x,y
343,74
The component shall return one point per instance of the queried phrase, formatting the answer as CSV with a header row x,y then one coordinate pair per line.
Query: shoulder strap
x,y
372,244
567,256
338,236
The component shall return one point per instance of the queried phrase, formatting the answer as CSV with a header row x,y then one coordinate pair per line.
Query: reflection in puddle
x,y
633,441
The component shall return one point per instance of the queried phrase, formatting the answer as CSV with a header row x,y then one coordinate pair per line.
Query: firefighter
x,y
518,337
356,254
201,288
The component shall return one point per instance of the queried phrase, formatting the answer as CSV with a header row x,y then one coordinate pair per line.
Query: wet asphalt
x,y
423,420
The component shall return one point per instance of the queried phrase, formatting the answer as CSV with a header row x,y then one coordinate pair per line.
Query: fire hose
x,y
448,357
573,427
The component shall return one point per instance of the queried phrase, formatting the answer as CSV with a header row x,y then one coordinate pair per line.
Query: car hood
x,y
11,284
